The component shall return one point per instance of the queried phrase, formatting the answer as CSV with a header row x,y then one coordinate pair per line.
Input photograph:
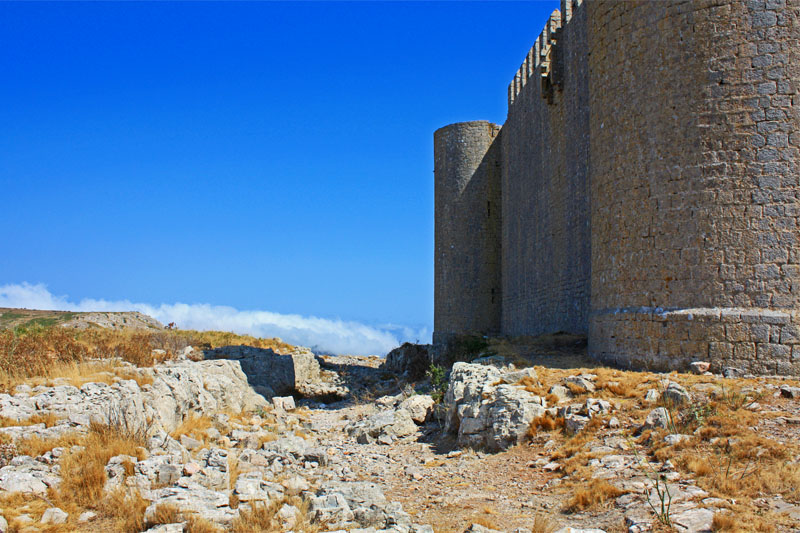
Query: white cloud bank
x,y
321,334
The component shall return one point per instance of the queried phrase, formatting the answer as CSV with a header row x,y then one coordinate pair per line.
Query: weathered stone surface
x,y
694,521
675,394
409,360
581,382
700,367
385,426
658,418
54,515
790,392
419,406
15,481
486,414
270,372
284,403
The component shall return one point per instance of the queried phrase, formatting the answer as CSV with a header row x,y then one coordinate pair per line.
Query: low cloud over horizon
x,y
320,334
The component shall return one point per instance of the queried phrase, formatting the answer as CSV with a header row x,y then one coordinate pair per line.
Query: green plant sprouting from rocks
x,y
438,378
660,485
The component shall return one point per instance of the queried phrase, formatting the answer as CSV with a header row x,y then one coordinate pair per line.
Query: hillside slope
x,y
12,318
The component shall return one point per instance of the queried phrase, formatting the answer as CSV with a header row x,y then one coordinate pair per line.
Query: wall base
x,y
757,341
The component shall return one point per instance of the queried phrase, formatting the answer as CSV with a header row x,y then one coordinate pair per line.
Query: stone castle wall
x,y
467,233
545,145
650,187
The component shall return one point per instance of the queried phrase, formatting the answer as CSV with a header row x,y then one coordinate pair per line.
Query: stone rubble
x,y
336,457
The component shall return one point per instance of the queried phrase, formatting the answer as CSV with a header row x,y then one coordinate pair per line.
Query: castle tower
x,y
467,232
695,174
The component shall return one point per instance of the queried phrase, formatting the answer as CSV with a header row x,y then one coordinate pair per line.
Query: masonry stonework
x,y
467,234
648,176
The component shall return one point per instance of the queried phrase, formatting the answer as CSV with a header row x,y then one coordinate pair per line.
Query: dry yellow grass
x,y
36,446
597,493
543,524
194,426
48,419
83,471
486,520
125,509
725,522
233,470
195,524
544,423
47,353
165,513
262,517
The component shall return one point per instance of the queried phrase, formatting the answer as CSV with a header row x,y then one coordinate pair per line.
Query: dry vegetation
x,y
727,454
41,354
50,355
266,517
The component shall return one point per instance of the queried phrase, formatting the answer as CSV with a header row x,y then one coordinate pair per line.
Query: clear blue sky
x,y
272,156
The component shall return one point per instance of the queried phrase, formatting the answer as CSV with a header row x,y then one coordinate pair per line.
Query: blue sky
x,y
262,156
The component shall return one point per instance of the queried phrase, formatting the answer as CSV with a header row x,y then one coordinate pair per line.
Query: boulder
x,y
385,427
409,360
675,394
54,515
790,392
658,418
12,480
581,382
574,423
468,382
561,392
268,371
699,367
419,406
284,403
484,411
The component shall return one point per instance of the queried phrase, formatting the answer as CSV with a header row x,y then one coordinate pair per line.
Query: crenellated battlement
x,y
539,62
643,189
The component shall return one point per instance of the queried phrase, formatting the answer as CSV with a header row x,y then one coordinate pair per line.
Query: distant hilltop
x,y
11,318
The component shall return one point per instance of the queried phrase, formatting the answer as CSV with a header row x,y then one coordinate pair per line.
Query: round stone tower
x,y
695,203
467,232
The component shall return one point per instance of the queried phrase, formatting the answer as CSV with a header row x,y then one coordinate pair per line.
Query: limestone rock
x,y
54,515
515,376
574,423
581,382
694,521
561,392
790,392
658,418
385,427
699,367
409,360
283,403
651,396
282,374
675,394
12,480
419,406
486,414
166,528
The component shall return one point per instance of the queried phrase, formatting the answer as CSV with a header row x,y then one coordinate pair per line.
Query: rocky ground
x,y
116,320
246,439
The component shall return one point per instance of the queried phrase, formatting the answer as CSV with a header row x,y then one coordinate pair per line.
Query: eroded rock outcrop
x,y
485,411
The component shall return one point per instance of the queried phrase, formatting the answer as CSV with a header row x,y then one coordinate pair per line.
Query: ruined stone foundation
x,y
647,186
